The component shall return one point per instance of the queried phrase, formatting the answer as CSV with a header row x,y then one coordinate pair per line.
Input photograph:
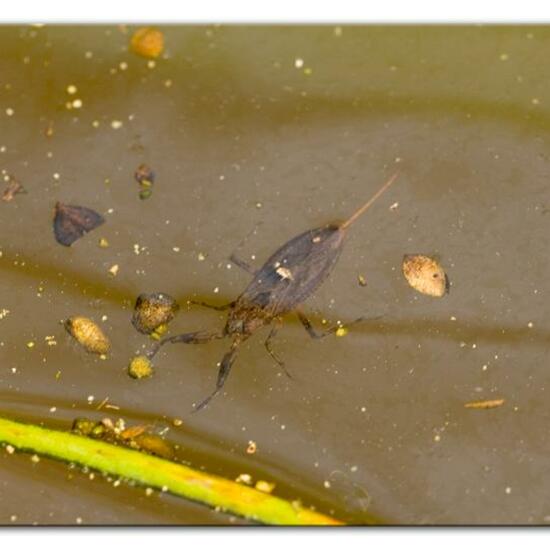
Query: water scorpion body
x,y
290,276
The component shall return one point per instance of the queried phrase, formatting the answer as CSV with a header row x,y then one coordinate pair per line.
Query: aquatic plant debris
x,y
72,222
135,437
152,471
140,367
488,404
13,188
425,274
153,310
147,42
146,178
87,334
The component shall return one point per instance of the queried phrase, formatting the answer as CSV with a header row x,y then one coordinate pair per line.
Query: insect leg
x,y
242,264
199,337
225,367
210,306
317,335
269,349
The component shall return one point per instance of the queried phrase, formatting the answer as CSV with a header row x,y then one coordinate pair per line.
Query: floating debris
x,y
264,486
135,437
153,310
49,130
159,332
146,178
144,175
361,280
144,194
13,188
425,274
113,270
244,478
132,432
154,444
72,222
147,42
341,331
140,367
488,404
252,447
88,428
103,243
87,334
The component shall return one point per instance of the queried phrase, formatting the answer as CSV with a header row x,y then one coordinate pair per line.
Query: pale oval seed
x,y
425,275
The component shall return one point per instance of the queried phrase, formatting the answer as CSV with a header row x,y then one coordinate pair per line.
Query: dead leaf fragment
x,y
425,274
72,222
488,404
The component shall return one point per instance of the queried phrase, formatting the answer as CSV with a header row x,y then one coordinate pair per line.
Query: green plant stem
x,y
159,473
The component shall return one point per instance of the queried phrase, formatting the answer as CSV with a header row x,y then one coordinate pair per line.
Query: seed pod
x,y
87,334
71,222
425,275
153,310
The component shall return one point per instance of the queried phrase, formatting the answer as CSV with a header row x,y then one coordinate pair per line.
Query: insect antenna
x,y
225,367
343,226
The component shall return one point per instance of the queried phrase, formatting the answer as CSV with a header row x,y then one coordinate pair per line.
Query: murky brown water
x,y
241,137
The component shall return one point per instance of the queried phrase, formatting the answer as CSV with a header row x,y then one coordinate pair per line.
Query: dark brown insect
x,y
287,278
71,222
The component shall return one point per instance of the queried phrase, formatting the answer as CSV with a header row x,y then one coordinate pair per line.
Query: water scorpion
x,y
290,276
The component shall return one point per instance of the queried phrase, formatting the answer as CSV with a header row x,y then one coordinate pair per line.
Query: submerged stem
x,y
163,474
